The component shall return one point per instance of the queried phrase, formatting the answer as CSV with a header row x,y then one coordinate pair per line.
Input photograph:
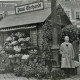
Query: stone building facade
x,y
72,9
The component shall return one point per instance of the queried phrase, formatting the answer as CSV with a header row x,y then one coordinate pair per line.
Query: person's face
x,y
66,39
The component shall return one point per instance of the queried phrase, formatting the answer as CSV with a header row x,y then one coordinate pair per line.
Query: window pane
x,y
78,15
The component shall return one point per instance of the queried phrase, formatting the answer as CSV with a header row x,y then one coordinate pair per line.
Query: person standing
x,y
67,60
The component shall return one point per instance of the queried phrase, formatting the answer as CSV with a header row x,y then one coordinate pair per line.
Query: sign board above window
x,y
29,7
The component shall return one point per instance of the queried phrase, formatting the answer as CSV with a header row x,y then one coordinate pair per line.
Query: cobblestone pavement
x,y
77,77
12,77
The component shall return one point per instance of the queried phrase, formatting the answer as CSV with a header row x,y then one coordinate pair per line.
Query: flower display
x,y
14,43
16,39
9,39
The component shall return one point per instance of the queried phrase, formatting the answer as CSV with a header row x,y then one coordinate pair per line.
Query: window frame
x,y
76,15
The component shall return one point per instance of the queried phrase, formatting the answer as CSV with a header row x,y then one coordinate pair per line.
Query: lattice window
x,y
77,15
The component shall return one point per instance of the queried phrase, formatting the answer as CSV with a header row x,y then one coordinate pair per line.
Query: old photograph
x,y
39,39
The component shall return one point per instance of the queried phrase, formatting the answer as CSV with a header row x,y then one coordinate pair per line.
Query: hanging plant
x,y
47,35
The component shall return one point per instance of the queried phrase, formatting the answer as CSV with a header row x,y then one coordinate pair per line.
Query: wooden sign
x,y
29,7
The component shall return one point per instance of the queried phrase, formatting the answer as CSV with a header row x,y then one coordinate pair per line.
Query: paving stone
x,y
13,77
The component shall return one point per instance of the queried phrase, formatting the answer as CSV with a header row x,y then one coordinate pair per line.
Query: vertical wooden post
x,y
55,46
54,20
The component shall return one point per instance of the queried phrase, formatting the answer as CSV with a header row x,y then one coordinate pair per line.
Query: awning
x,y
26,18
12,29
32,18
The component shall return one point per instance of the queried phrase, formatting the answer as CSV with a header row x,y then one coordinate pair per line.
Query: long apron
x,y
67,52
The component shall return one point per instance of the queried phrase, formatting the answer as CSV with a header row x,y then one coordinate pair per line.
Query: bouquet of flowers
x,y
9,39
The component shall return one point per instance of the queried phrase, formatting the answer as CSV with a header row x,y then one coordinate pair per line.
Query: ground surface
x,y
12,77
73,78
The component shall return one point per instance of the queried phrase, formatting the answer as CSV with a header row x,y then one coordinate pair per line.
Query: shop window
x,y
77,15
